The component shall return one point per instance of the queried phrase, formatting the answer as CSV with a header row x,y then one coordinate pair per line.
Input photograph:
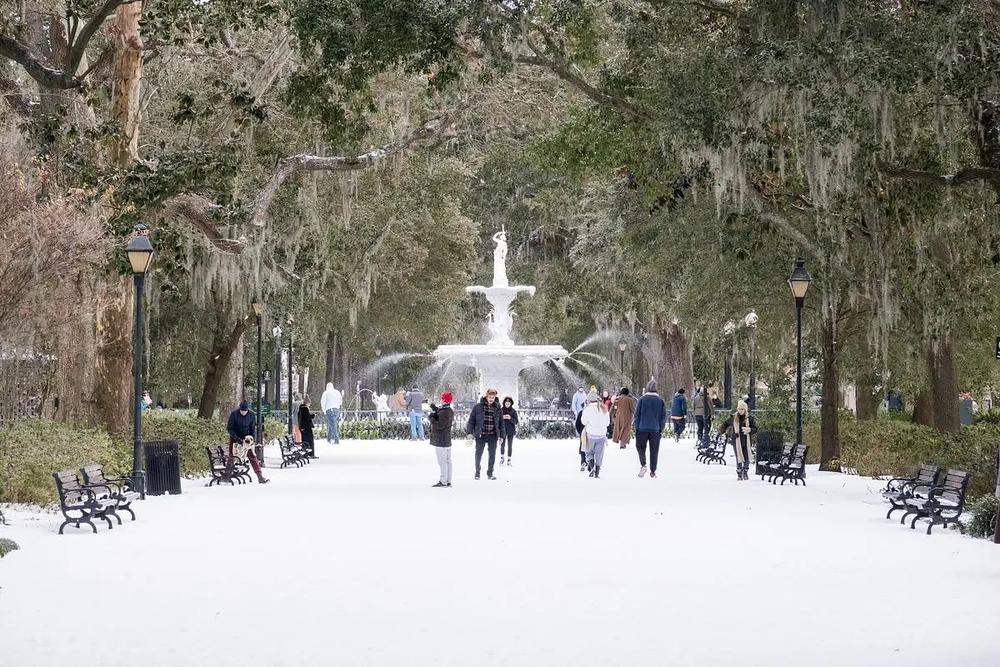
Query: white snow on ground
x,y
355,560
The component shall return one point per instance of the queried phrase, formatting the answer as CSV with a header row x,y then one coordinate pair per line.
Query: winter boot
x,y
477,474
652,475
642,471
597,472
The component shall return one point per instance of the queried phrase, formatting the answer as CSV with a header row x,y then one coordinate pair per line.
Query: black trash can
x,y
163,467
769,446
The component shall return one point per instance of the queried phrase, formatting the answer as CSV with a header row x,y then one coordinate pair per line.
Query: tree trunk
x,y
668,356
943,384
216,369
113,389
867,400
331,356
923,409
829,457
127,80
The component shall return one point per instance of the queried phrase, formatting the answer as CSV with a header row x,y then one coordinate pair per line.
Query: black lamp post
x,y
258,310
729,329
799,283
750,322
276,331
622,346
289,375
140,256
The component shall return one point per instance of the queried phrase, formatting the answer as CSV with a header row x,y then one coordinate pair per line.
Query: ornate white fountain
x,y
500,360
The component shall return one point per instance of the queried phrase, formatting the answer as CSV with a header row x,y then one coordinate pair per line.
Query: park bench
x,y
900,489
713,450
290,454
944,503
767,468
118,489
225,468
80,503
793,468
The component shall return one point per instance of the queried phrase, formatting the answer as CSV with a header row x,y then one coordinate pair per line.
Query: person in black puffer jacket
x,y
442,417
508,428
306,427
243,424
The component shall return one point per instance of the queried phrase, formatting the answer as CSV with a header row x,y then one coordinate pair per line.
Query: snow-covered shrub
x,y
984,516
6,546
558,430
525,429
191,434
32,449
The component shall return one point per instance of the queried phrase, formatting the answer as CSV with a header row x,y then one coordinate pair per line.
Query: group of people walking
x,y
490,423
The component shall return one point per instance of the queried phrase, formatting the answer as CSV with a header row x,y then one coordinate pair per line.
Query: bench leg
x,y
108,519
114,513
903,519
129,510
913,524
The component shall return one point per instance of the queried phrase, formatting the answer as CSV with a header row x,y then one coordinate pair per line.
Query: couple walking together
x,y
490,423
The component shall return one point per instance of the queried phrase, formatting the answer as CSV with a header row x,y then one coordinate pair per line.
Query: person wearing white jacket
x,y
595,419
331,401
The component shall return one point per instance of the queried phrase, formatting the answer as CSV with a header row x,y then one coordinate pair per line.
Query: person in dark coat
x,y
484,425
442,418
678,413
649,421
508,427
740,429
242,424
306,427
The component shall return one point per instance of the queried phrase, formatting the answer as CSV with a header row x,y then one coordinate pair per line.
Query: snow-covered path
x,y
355,560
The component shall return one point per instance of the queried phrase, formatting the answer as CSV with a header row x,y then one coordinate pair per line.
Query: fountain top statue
x,y
500,294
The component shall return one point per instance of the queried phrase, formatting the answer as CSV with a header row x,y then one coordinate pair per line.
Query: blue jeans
x,y
416,424
332,418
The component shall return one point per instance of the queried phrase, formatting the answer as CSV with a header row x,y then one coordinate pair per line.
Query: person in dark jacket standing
x,y
442,417
650,420
508,428
242,424
483,424
700,407
678,413
740,429
305,421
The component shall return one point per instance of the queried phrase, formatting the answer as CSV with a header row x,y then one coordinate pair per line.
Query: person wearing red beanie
x,y
442,417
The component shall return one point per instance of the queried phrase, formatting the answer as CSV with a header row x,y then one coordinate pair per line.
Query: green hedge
x,y
192,436
886,446
32,449
984,516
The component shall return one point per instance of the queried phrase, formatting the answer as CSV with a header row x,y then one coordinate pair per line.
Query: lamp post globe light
x,y
798,282
258,311
140,255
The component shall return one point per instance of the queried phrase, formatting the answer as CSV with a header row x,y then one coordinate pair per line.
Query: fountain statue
x,y
500,360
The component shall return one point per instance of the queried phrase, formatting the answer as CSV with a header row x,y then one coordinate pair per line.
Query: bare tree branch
x,y
45,75
961,177
197,211
294,164
78,46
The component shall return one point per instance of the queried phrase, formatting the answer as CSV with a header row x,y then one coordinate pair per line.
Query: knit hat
x,y
446,397
651,387
592,397
244,405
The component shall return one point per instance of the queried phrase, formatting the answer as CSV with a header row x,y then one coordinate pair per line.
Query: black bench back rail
x,y
767,468
79,503
118,489
769,448
791,466
290,454
899,489
944,503
713,450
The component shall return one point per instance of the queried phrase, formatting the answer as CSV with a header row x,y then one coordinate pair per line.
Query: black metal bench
x,y
225,468
118,489
900,489
290,454
713,450
944,503
79,503
769,468
793,468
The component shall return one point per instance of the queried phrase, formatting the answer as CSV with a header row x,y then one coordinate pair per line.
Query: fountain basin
x,y
500,365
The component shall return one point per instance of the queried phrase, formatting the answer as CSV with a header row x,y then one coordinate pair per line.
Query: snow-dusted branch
x,y
961,177
294,164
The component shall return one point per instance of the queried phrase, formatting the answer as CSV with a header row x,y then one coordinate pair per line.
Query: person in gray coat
x,y
415,408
